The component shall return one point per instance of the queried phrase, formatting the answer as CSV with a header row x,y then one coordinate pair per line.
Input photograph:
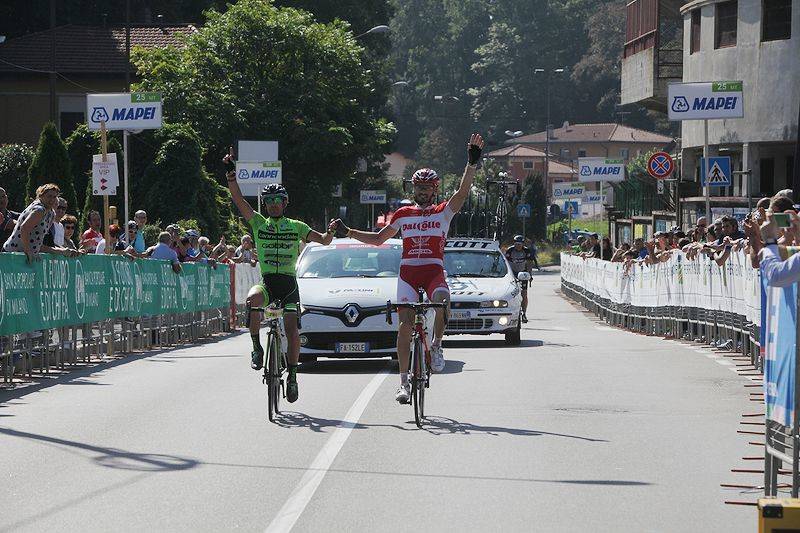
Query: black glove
x,y
474,153
341,228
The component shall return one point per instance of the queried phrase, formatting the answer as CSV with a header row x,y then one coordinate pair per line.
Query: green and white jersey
x,y
278,243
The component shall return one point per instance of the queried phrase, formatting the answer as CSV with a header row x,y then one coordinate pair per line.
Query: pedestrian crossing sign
x,y
719,171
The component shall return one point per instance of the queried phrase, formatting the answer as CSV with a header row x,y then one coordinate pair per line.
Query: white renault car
x,y
485,295
343,292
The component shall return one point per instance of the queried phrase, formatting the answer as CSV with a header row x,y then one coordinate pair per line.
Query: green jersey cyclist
x,y
277,240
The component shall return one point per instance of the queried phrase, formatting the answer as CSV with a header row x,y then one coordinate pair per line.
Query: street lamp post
x,y
377,29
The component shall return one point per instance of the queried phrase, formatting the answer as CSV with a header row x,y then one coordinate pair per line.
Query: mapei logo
x,y
680,104
422,226
244,175
99,114
586,170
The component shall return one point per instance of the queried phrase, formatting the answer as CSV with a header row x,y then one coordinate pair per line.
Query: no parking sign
x,y
660,165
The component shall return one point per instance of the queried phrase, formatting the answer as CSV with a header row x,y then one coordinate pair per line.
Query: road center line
x,y
286,518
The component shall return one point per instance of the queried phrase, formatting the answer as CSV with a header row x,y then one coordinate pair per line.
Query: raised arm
x,y
236,194
474,148
322,238
367,237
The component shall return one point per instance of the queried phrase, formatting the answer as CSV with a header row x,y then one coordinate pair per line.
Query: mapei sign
x,y
600,169
708,100
568,190
259,171
124,111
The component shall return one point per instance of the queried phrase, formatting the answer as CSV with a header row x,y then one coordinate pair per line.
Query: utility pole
x,y
53,106
548,126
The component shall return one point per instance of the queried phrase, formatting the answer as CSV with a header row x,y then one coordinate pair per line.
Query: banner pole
x,y
707,188
104,148
126,172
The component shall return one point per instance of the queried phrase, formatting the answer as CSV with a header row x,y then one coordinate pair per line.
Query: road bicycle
x,y
419,372
275,366
501,212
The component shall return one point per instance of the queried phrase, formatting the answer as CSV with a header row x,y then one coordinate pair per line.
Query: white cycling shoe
x,y
437,358
403,393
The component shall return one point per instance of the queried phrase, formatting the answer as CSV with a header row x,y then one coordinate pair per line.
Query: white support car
x,y
343,292
485,295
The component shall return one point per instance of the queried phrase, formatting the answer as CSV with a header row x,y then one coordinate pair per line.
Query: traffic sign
x,y
571,207
124,111
660,165
706,100
524,210
660,186
600,169
719,171
373,197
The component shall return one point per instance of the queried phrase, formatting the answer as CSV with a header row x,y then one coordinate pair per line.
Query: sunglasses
x,y
69,226
274,200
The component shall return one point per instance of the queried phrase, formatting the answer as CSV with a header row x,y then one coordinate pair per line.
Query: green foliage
x,y
151,232
260,72
51,165
14,162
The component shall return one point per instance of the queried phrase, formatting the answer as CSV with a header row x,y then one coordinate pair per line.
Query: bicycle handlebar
x,y
418,307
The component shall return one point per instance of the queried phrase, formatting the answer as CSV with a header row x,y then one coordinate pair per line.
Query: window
x,y
694,44
767,169
725,24
564,153
581,153
528,165
776,20
624,153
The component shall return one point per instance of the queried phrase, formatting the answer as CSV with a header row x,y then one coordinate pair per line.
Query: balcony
x,y
653,55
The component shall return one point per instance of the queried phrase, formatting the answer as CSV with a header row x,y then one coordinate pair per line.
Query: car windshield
x,y
350,261
474,264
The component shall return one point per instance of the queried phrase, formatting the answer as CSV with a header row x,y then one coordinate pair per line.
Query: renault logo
x,y
351,313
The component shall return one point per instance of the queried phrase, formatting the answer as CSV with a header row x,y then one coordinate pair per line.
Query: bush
x,y
51,165
14,162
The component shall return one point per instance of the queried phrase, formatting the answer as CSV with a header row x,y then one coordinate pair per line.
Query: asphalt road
x,y
582,428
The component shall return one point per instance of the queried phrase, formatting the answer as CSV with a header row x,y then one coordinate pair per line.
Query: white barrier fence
x,y
699,283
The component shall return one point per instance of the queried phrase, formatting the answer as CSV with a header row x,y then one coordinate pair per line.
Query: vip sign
x,y
124,111
600,169
708,100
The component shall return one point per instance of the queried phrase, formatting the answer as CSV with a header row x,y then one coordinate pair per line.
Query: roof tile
x,y
602,132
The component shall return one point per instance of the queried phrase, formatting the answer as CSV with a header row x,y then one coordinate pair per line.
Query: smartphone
x,y
782,220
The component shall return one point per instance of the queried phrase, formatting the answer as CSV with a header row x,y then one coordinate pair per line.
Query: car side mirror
x,y
524,276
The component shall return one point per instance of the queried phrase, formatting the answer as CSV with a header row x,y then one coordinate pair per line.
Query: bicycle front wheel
x,y
418,382
276,371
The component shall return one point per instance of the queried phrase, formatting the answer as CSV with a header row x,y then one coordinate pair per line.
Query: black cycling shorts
x,y
281,287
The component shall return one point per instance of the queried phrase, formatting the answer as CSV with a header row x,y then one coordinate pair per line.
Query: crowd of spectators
x,y
716,241
45,226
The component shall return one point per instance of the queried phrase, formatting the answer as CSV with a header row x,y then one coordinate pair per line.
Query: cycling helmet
x,y
274,189
425,175
519,238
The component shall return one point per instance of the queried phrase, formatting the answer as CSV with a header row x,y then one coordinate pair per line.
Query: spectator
x,y
594,244
164,250
7,218
781,204
131,232
193,250
174,232
55,237
777,271
70,225
92,236
138,243
182,249
117,246
639,248
33,224
730,229
245,252
607,251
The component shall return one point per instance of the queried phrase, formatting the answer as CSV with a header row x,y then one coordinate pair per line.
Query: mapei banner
x,y
58,291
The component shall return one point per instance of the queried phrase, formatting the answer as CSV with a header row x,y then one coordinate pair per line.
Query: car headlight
x,y
495,303
303,340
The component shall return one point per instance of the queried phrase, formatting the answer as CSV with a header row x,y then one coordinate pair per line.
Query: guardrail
x,y
58,310
730,307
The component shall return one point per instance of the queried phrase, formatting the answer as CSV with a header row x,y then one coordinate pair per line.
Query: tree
x,y
260,72
14,162
51,165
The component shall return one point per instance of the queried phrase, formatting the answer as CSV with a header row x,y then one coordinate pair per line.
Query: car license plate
x,y
460,315
352,347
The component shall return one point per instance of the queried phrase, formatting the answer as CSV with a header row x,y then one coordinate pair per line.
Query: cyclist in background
x,y
520,256
277,239
424,227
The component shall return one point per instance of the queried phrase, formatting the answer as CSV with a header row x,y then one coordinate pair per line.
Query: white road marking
x,y
724,362
286,518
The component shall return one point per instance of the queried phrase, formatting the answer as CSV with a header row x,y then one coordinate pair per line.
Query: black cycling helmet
x,y
274,189
519,238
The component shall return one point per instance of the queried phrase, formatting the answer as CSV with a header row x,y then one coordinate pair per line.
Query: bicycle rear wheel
x,y
275,369
418,382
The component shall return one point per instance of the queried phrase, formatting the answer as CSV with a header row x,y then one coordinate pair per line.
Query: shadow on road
x,y
489,343
439,425
112,457
346,366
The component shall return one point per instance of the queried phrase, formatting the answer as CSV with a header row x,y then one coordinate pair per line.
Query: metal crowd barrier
x,y
40,352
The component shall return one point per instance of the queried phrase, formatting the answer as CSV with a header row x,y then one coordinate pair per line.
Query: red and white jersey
x,y
424,232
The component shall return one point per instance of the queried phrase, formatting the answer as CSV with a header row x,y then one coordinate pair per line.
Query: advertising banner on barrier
x,y
780,353
57,291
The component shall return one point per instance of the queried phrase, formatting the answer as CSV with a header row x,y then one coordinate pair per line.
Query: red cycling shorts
x,y
429,277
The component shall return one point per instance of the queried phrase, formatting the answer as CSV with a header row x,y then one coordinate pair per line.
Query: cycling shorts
x,y
429,277
281,287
